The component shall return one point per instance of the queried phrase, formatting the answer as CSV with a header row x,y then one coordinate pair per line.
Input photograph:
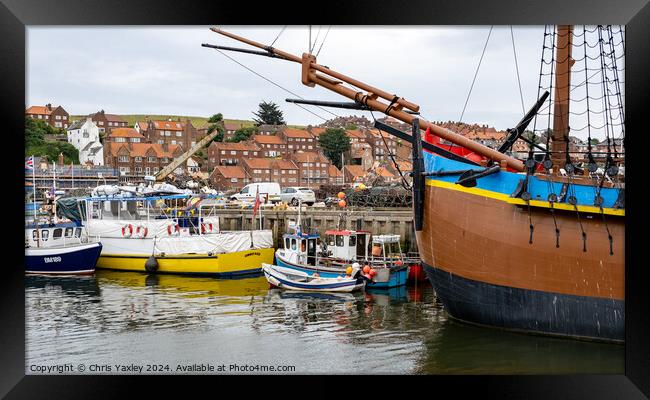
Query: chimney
x,y
49,106
102,112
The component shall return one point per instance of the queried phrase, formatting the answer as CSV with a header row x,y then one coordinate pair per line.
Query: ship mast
x,y
315,74
563,63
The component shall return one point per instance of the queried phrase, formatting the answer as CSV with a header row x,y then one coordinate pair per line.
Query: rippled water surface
x,y
132,318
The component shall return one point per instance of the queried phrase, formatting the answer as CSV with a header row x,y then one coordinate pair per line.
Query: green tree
x,y
215,118
216,122
351,127
269,113
530,136
334,142
243,134
35,143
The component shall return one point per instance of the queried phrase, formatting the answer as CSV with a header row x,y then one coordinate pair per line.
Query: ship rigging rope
x,y
281,87
311,49
405,183
514,52
277,37
323,41
476,73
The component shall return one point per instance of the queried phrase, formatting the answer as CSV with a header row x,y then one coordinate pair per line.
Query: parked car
x,y
293,195
270,190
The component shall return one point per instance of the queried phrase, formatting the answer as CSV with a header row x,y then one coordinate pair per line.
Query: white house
x,y
84,136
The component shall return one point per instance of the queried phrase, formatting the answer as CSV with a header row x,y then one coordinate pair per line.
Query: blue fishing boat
x,y
343,249
60,249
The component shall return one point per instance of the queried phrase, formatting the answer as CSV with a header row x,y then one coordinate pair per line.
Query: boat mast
x,y
315,74
563,63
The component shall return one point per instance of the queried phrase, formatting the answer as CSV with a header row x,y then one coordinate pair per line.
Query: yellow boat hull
x,y
221,265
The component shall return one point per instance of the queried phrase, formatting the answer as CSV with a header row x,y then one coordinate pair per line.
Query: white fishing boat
x,y
291,279
170,234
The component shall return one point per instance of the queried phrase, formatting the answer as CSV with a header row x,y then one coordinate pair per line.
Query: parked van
x,y
270,190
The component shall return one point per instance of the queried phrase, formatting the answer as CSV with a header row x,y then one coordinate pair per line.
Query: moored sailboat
x,y
535,245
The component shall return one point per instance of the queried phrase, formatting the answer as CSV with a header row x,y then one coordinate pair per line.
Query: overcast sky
x,y
164,70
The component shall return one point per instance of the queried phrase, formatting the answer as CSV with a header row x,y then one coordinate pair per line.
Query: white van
x,y
266,189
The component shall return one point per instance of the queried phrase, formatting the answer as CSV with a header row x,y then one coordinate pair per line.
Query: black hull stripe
x,y
530,311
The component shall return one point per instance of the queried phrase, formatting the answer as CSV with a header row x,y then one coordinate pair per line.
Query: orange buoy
x,y
399,263
372,272
341,195
366,269
348,270
342,203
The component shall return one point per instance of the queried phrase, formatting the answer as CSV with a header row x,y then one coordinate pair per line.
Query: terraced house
x,y
297,139
284,172
55,116
271,145
228,153
229,177
108,122
314,168
172,132
139,159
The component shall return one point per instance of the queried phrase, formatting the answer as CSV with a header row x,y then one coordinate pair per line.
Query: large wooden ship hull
x,y
476,250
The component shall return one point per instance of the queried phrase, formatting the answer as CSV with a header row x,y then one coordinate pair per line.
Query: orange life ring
x,y
202,227
142,231
210,225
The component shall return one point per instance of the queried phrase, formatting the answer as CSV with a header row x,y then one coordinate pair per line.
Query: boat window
x,y
35,234
44,234
68,232
352,241
293,244
339,240
303,245
58,232
286,243
77,232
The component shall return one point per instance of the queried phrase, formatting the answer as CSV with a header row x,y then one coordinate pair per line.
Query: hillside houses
x,y
57,116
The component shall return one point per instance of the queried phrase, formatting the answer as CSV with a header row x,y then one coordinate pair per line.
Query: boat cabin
x,y
386,246
53,235
348,244
301,247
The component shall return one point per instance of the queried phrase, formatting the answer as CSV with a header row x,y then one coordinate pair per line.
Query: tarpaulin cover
x,y
67,208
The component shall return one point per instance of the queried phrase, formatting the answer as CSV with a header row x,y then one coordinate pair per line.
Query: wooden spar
x,y
563,62
311,77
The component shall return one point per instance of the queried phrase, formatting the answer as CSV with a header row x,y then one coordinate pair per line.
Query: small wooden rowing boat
x,y
287,278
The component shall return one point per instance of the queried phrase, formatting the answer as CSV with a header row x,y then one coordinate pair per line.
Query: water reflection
x,y
135,317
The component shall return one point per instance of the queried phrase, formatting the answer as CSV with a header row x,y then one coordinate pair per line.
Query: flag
x,y
256,206
29,164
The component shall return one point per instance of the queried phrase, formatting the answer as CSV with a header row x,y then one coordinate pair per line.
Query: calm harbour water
x,y
132,318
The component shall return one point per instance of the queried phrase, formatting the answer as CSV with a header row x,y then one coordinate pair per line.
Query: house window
x,y
245,153
138,169
254,153
179,134
123,158
138,159
135,140
163,159
161,141
101,123
223,152
173,142
58,117
233,180
162,133
85,134
152,159
120,140
58,124
147,170
155,170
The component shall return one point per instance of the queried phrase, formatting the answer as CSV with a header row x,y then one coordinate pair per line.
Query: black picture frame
x,y
15,15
